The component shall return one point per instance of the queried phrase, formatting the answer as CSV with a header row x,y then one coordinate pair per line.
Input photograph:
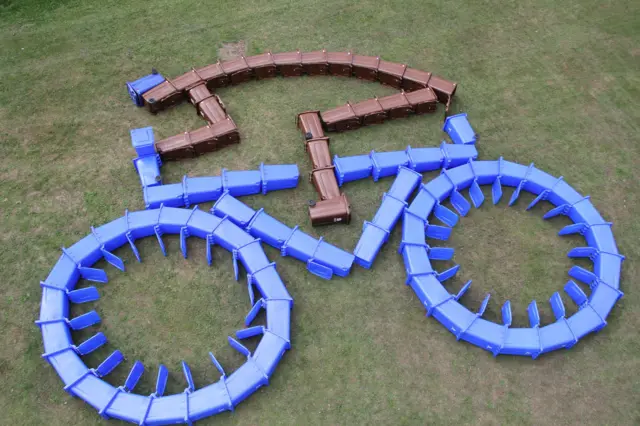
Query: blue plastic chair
x,y
142,85
459,130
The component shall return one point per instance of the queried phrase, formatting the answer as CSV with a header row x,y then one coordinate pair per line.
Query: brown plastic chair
x,y
331,211
444,89
187,81
396,106
365,67
161,97
325,182
199,94
211,110
369,112
199,141
238,69
204,140
318,150
226,132
340,63
422,101
390,73
175,147
289,64
213,137
340,119
414,79
214,75
316,62
262,65
309,123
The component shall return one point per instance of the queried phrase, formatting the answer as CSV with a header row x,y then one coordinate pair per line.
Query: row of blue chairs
x,y
394,202
383,164
408,166
601,248
195,190
59,289
202,189
322,259
148,161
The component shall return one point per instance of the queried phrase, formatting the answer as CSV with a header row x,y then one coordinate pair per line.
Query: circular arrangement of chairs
x,y
120,402
601,248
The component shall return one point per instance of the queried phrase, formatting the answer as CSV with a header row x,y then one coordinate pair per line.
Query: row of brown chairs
x,y
197,142
377,110
420,93
289,64
220,132
333,205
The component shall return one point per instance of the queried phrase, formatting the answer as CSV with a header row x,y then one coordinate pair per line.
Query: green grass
x,y
555,83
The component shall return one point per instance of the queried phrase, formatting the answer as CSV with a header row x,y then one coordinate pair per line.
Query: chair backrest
x,y
217,364
506,313
483,305
557,306
111,362
575,293
463,290
161,381
534,315
238,346
85,320
83,295
134,376
188,377
92,343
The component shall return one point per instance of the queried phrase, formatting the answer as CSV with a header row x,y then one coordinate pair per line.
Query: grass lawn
x,y
555,83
